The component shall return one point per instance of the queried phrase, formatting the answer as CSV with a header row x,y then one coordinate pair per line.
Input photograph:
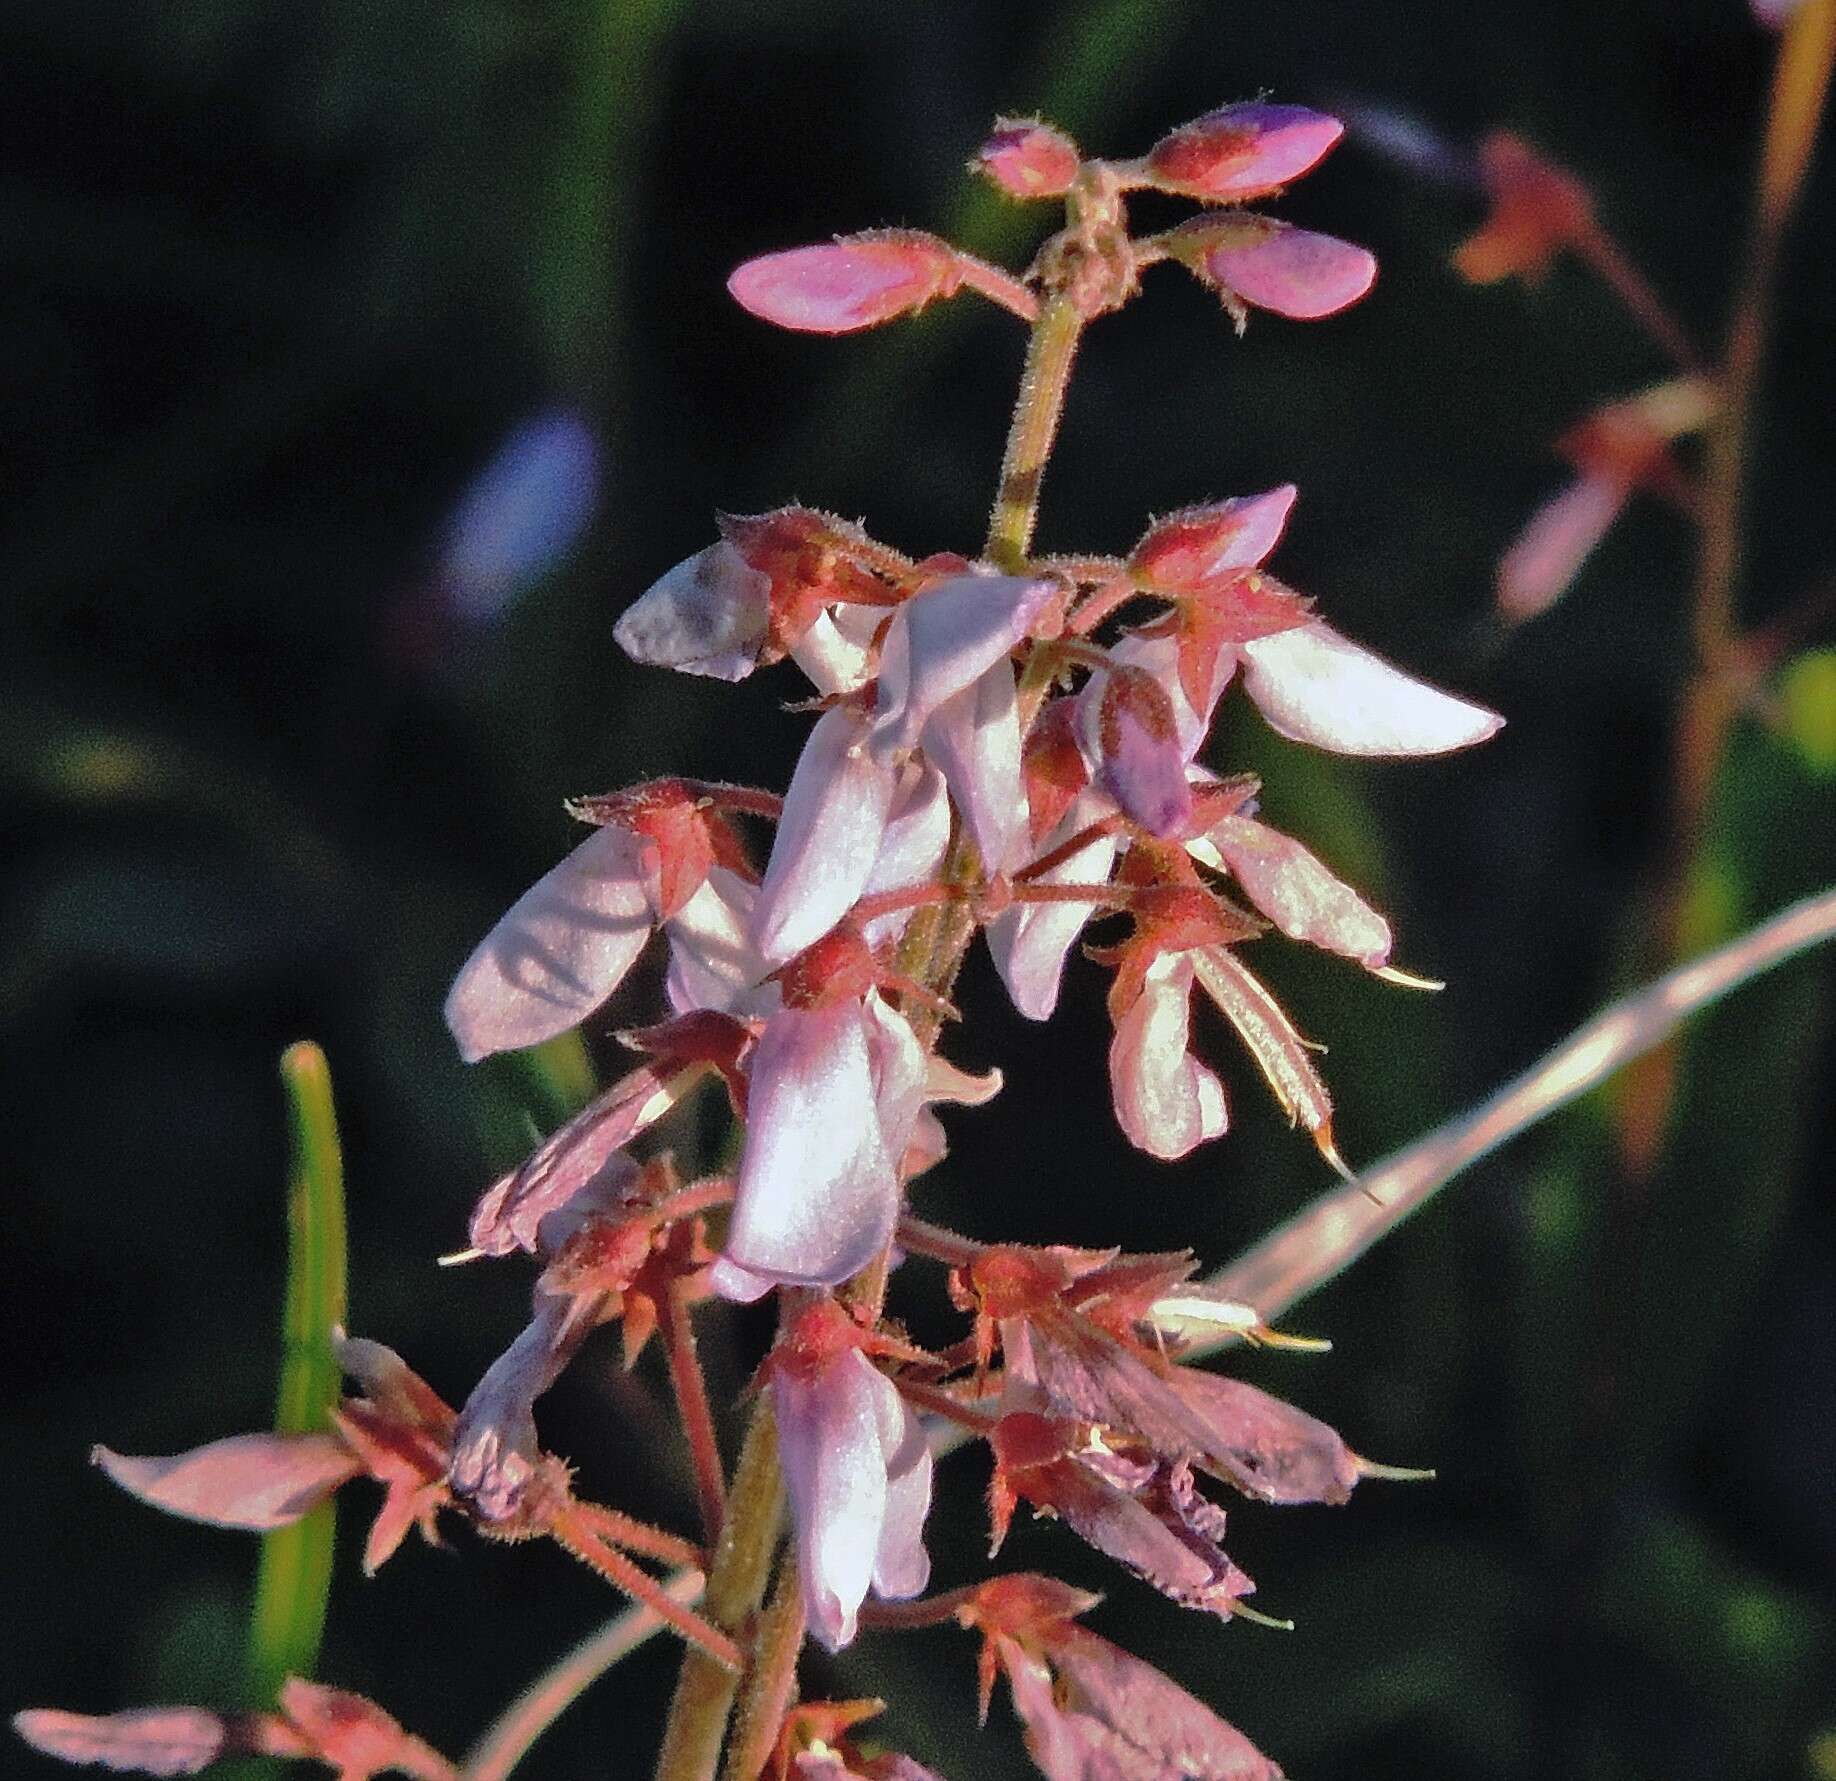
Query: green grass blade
x,y
293,1581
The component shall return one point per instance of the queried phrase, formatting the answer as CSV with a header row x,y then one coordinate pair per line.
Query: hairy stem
x,y
736,1585
691,1390
1049,354
771,1684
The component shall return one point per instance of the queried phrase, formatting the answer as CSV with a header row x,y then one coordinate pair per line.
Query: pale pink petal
x,y
1293,272
835,1474
1027,159
828,838
1166,1101
840,286
944,639
712,960
1200,544
1242,151
146,1741
900,1071
834,661
739,1286
913,847
244,1481
1318,687
817,1194
562,949
1029,943
708,615
1536,571
1298,894
901,1566
974,740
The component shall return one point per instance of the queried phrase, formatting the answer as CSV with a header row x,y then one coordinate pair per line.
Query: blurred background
x,y
358,365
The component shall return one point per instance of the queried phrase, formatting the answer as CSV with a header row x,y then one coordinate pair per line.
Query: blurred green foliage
x,y
278,280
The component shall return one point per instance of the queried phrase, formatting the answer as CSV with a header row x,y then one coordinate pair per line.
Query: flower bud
x,y
1257,262
842,286
1241,151
1196,545
1027,159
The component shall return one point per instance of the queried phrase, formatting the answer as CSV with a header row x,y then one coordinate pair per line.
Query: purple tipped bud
x,y
1241,151
1028,159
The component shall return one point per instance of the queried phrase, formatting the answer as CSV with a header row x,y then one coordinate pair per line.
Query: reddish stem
x,y
691,1389
638,1536
1107,599
1104,825
998,287
933,1610
910,896
919,1236
623,1575
946,1405
1112,896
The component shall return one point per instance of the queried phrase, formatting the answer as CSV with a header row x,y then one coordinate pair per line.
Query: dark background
x,y
279,280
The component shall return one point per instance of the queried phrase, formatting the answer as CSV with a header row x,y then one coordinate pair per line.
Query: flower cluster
x,y
1007,744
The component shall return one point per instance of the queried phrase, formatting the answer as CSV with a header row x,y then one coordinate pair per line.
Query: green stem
x,y
772,1682
1049,353
736,1585
293,1581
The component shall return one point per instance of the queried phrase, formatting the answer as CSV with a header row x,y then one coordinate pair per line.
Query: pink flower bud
x,y
1028,159
1258,262
1197,545
1317,687
1130,734
842,286
708,615
1241,151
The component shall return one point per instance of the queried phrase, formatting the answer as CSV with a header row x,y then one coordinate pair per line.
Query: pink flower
x,y
829,836
857,1469
913,847
1129,730
841,286
1255,262
712,960
1166,1101
836,1083
1316,686
1239,152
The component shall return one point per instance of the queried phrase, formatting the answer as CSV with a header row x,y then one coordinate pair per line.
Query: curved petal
x,y
1241,151
901,1566
1298,894
834,661
1166,1101
708,615
561,950
899,1069
941,641
974,740
828,838
256,1481
835,1474
912,850
712,960
1201,544
1318,687
1548,553
817,1195
1030,942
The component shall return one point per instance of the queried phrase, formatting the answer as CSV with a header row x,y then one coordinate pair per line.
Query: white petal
x,y
974,740
561,950
901,1566
1166,1101
913,847
817,1195
1298,894
708,615
828,838
834,662
900,1072
1318,687
712,961
835,1474
943,639
1030,942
